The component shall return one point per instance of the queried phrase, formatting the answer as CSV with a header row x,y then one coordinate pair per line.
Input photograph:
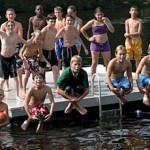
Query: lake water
x,y
112,133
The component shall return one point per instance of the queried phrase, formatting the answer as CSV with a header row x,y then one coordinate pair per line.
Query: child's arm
x,y
7,117
30,28
52,104
59,33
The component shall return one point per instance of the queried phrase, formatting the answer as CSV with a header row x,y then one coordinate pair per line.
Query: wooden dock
x,y
16,108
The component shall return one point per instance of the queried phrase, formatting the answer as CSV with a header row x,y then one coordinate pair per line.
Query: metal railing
x,y
99,94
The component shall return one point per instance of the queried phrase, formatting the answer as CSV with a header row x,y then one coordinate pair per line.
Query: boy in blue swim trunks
x,y
142,77
117,82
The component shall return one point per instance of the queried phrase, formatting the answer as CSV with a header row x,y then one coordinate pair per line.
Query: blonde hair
x,y
36,33
76,58
120,47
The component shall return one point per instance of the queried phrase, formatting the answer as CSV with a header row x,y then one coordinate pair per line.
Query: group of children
x,y
54,41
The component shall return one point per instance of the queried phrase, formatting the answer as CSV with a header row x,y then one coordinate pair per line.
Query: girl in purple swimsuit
x,y
99,40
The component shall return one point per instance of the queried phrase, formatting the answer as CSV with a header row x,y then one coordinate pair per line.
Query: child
x,y
117,82
49,33
70,34
34,103
4,117
37,22
60,21
11,15
99,40
71,10
143,77
133,43
73,85
31,55
9,39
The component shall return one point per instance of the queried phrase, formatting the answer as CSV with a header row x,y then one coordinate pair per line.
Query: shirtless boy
x,y
31,55
49,33
143,78
60,21
3,110
9,39
78,23
34,103
70,34
73,85
37,22
117,82
133,43
11,15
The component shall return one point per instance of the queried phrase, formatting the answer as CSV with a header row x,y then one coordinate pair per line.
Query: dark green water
x,y
109,134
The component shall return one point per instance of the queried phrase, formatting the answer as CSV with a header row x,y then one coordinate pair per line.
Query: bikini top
x,y
99,28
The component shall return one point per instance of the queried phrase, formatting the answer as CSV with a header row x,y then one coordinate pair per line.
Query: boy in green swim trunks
x,y
133,43
73,85
117,82
142,77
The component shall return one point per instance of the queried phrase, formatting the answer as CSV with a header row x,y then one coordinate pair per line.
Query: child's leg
x,y
1,82
19,72
55,75
69,108
80,109
25,81
25,124
6,85
40,126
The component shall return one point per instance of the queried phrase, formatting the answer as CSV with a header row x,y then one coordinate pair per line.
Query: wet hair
x,y
51,16
98,9
9,21
72,7
36,33
120,47
69,16
58,8
37,74
134,6
76,58
10,9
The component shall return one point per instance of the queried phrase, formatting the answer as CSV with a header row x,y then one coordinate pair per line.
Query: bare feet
x,y
146,100
18,99
6,89
24,125
122,99
39,127
81,110
68,108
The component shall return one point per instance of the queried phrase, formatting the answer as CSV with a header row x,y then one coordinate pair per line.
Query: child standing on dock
x,y
133,43
4,117
34,102
9,39
117,82
73,85
31,55
142,77
70,34
11,15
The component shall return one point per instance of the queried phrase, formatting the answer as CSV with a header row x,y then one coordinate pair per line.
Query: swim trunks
x,y
59,45
144,80
135,51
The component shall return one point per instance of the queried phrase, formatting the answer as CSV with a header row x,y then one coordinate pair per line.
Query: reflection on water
x,y
116,133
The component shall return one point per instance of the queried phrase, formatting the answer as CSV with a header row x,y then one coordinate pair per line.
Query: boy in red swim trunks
x,y
34,103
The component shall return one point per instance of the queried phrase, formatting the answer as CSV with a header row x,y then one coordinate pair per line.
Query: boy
x,y
37,22
49,33
71,10
143,78
133,43
59,41
3,109
31,55
73,85
34,102
70,34
11,15
9,39
117,82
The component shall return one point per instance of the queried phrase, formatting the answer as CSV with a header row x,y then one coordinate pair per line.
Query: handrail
x,y
99,91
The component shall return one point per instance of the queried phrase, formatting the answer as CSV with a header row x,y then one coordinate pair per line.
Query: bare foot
x,y
24,125
18,99
39,127
122,100
68,108
6,89
81,110
146,100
